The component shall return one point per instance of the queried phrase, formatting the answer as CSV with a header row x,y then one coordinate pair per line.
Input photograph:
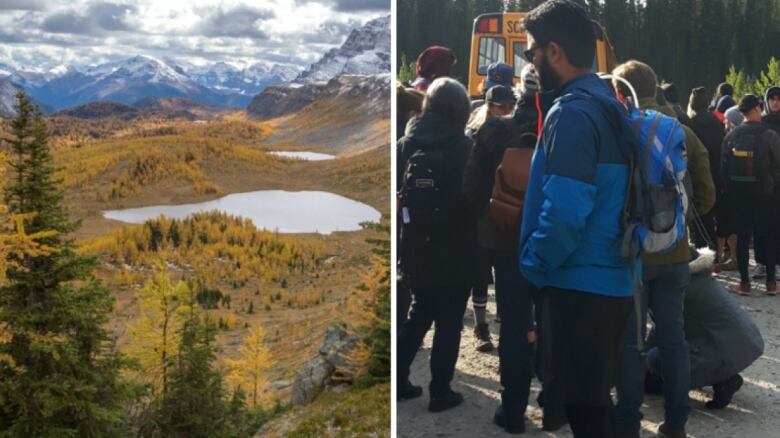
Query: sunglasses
x,y
529,54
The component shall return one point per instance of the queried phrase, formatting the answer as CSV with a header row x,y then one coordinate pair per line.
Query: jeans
x,y
445,306
664,293
515,353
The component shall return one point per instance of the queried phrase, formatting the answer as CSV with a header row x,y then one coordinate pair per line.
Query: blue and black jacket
x,y
572,228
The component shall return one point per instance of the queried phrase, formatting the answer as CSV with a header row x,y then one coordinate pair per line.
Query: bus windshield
x,y
491,50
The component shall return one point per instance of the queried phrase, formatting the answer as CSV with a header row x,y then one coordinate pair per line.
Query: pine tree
x,y
195,405
14,239
58,375
249,371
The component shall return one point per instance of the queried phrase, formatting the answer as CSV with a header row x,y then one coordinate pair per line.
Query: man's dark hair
x,y
567,24
725,89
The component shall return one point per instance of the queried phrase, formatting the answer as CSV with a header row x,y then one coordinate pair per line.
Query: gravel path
x,y
754,412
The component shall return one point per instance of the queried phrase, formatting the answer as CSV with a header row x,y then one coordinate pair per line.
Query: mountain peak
x,y
365,52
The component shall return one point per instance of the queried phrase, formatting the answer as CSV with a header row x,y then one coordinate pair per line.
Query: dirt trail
x,y
754,412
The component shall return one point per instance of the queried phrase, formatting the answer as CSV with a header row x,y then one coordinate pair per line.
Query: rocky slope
x,y
365,52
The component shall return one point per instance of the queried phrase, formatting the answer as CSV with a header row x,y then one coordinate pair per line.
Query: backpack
x,y
657,200
740,155
511,180
426,199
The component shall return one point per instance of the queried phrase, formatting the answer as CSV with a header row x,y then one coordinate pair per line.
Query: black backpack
x,y
426,201
741,152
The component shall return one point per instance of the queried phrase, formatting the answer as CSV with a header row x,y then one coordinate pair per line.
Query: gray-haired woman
x,y
438,237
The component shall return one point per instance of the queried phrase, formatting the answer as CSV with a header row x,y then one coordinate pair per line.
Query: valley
x,y
153,159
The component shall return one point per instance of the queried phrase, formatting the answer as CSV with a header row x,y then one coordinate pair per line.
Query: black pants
x,y
445,307
753,218
515,353
582,341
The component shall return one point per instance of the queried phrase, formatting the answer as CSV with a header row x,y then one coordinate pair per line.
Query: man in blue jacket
x,y
571,232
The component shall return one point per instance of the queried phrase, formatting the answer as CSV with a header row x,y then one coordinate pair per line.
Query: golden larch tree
x,y
249,371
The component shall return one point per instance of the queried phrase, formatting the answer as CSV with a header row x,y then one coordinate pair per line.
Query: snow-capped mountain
x,y
130,80
7,98
365,52
249,81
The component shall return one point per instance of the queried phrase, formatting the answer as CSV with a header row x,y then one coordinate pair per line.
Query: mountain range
x,y
365,52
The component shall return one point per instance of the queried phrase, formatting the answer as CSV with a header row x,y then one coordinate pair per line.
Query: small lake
x,y
286,212
307,156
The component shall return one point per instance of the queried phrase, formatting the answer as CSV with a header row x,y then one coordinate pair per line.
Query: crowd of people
x,y
592,203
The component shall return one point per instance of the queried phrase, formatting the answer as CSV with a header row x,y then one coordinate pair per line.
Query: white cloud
x,y
48,33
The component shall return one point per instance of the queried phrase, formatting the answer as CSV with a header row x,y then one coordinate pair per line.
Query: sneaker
x,y
482,333
514,425
724,391
665,431
759,272
729,265
408,391
444,401
741,289
771,289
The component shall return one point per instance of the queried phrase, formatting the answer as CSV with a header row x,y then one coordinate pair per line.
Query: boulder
x,y
336,344
310,380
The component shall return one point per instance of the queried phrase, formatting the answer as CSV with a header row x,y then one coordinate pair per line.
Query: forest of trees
x,y
688,42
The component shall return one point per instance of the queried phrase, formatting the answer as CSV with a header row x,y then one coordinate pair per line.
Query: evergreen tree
x,y
194,405
58,375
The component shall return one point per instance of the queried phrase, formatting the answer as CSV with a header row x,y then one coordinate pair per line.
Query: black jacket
x,y
490,143
711,133
451,260
772,121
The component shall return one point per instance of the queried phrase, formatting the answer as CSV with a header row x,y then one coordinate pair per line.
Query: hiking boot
x,y
511,425
665,431
482,333
724,391
408,391
741,289
446,400
729,265
759,272
771,288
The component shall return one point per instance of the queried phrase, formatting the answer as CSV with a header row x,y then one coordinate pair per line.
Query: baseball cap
x,y
499,73
500,95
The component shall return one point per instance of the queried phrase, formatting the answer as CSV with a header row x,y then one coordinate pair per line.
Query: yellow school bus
x,y
500,37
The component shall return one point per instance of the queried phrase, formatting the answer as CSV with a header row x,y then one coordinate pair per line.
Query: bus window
x,y
519,60
491,49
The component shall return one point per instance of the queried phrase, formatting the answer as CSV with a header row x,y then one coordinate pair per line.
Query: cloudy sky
x,y
42,34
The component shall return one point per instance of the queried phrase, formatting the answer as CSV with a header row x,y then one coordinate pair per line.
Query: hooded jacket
x,y
451,260
722,338
571,230
771,119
